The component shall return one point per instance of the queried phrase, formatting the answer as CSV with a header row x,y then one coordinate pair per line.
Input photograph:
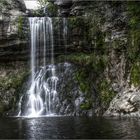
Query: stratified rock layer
x,y
13,30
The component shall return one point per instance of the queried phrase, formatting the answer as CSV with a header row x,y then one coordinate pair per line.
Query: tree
x,y
50,8
42,3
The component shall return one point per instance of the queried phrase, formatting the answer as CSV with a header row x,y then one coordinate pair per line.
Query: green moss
x,y
91,72
76,22
10,86
92,60
135,74
20,26
134,13
134,32
86,106
52,9
91,69
106,93
92,36
134,42
12,81
81,76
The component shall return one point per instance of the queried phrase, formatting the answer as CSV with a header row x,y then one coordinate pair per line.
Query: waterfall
x,y
65,30
65,33
41,98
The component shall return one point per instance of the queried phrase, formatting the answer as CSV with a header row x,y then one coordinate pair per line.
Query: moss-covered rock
x,y
12,77
135,74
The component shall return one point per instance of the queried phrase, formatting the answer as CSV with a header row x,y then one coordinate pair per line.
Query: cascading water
x,y
41,97
65,33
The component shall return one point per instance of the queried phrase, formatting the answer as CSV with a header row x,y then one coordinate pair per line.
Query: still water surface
x,y
69,128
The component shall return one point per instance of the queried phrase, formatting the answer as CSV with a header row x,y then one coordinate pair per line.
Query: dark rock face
x,y
13,29
64,6
102,30
73,101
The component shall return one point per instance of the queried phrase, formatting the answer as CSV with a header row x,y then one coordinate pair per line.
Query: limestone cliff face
x,y
104,39
12,29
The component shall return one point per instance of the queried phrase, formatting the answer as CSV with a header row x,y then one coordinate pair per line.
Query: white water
x,y
65,33
41,97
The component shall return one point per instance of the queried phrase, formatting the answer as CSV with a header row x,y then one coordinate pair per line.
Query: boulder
x,y
125,104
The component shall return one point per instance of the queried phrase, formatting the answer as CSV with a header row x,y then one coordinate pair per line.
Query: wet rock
x,y
64,6
72,99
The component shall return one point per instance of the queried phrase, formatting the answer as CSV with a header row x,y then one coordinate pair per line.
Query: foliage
x,y
92,60
135,74
106,92
90,77
133,50
134,13
86,106
20,26
11,84
134,33
76,22
42,3
12,81
51,9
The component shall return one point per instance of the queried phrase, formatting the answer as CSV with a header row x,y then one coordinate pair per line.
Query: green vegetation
x,y
93,62
12,81
42,3
90,75
97,62
20,27
86,105
10,87
135,74
89,32
134,32
106,92
134,42
50,7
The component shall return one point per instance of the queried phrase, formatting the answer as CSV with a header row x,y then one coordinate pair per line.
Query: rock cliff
x,y
104,43
12,29
13,46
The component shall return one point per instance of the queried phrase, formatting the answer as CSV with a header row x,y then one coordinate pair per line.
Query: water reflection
x,y
69,127
127,128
